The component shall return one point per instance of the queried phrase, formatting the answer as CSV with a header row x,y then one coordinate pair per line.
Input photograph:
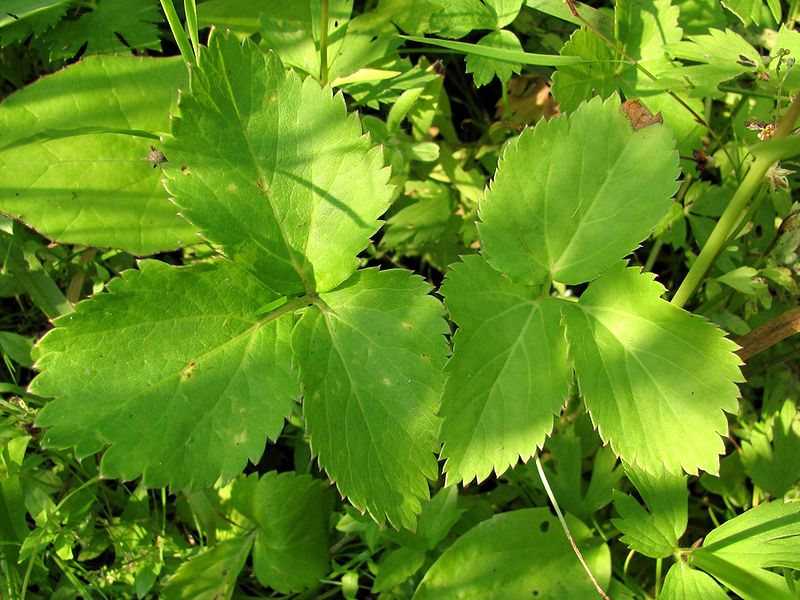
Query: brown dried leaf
x,y
639,115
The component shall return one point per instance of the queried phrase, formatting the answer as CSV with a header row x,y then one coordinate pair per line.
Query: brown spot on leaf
x,y
639,116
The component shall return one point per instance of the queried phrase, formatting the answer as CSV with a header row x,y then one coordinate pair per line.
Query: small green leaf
x,y
210,575
653,531
211,380
596,75
518,554
771,456
396,566
262,162
456,18
16,347
291,548
371,361
637,359
505,10
73,156
483,69
576,193
683,582
508,375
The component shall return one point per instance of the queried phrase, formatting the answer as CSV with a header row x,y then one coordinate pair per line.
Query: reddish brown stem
x,y
770,333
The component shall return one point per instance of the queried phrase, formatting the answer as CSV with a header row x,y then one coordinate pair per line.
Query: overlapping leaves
x,y
262,163
570,199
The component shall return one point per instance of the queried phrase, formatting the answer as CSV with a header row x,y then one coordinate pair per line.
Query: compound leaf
x,y
576,193
771,456
74,162
371,362
636,358
263,163
484,69
518,554
508,375
173,370
290,553
654,531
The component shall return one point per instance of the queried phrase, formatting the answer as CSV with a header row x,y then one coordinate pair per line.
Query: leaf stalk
x,y
178,32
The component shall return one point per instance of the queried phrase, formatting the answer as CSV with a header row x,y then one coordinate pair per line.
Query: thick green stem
x,y
178,32
735,210
323,41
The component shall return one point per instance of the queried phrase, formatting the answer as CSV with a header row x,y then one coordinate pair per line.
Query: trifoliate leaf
x,y
771,455
655,530
483,69
263,163
111,26
722,55
508,375
739,552
636,357
576,193
74,156
518,554
683,582
173,370
597,76
210,575
371,361
291,548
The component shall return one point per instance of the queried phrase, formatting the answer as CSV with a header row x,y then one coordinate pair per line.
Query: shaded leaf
x,y
771,456
684,582
483,69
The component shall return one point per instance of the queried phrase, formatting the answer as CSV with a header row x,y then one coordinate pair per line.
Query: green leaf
x,y
653,531
518,554
396,566
752,11
211,575
371,356
212,380
498,54
771,456
17,347
739,551
595,75
262,162
505,11
240,16
456,18
73,156
34,17
576,193
508,375
17,10
485,69
637,359
291,548
104,28
410,16
722,55
684,582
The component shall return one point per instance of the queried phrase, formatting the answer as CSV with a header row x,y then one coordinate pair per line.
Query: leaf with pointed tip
x,y
518,554
684,582
484,69
371,366
173,371
593,189
291,548
637,357
508,375
263,162
73,160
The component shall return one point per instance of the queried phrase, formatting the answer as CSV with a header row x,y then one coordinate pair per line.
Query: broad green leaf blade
x,y
683,582
747,582
653,531
575,194
74,148
505,10
508,375
371,366
291,511
637,360
498,54
518,554
212,574
240,16
173,371
396,566
20,9
456,18
771,456
483,69
263,163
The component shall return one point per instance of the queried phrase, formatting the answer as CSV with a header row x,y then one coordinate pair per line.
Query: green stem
x,y
659,565
564,525
190,8
323,41
178,32
733,213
